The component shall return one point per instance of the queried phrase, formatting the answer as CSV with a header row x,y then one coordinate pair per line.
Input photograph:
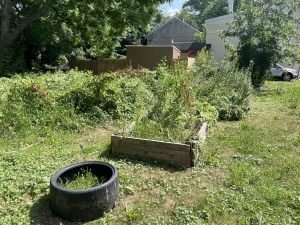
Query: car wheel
x,y
86,204
286,77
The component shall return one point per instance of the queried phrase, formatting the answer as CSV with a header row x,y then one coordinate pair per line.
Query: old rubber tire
x,y
86,204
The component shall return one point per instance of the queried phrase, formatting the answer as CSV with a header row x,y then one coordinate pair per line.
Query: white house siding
x,y
291,63
217,44
213,26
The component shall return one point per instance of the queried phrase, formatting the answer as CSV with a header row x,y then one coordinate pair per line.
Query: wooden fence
x,y
99,65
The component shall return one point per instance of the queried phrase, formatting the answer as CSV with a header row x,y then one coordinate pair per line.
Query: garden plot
x,y
180,154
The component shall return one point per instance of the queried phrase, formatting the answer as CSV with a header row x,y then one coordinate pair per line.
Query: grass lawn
x,y
248,172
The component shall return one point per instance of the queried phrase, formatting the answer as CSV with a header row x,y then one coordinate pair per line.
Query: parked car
x,y
285,74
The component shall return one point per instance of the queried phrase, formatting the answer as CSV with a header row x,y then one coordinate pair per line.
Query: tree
x,y
137,36
10,27
200,10
93,25
266,32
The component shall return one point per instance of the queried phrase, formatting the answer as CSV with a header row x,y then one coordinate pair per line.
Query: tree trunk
x,y
7,37
5,20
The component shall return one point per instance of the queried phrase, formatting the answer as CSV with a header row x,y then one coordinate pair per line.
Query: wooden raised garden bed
x,y
185,155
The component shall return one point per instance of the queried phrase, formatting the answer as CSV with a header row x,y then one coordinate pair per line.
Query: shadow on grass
x,y
268,92
40,213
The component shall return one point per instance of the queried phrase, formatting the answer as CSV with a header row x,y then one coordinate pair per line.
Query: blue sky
x,y
171,9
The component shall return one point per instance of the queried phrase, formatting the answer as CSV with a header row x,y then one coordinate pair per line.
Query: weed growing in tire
x,y
82,180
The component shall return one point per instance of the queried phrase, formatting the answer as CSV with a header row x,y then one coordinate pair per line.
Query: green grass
x,y
84,179
248,171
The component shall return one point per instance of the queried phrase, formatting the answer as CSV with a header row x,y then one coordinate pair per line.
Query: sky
x,y
171,9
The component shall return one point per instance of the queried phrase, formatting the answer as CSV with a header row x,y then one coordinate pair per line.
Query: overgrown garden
x,y
47,111
247,169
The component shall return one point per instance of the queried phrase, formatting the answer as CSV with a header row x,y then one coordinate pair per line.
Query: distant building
x,y
218,24
213,27
174,30
173,40
179,34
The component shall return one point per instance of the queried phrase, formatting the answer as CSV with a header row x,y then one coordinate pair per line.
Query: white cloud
x,y
171,8
171,11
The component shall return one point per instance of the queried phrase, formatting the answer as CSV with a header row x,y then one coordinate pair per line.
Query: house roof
x,y
189,45
162,41
219,18
174,19
175,29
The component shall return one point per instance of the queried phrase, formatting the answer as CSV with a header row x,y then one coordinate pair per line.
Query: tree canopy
x,y
267,32
195,12
33,27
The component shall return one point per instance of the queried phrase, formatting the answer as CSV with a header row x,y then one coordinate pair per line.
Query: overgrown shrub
x,y
176,113
120,95
70,101
225,87
170,102
48,102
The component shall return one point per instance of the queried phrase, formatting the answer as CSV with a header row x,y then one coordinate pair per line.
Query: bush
x,y
121,96
176,113
225,87
47,102
170,102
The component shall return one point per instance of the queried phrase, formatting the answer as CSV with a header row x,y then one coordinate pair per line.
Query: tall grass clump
x,y
225,87
69,101
176,114
122,95
38,103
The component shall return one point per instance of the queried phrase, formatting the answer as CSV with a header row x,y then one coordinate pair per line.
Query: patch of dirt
x,y
169,203
99,133
105,131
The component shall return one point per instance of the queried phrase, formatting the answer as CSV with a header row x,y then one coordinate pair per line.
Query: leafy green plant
x,y
226,87
176,113
49,102
82,180
121,96
185,216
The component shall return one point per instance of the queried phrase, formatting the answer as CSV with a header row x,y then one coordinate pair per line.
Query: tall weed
x,y
225,87
176,113
39,103
121,96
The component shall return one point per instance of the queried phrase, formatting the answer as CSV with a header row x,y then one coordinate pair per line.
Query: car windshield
x,y
278,66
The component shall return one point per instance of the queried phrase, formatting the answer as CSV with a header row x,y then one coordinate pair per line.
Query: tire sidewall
x,y
85,204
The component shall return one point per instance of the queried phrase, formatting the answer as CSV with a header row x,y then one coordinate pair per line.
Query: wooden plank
x,y
144,148
180,154
126,143
154,150
177,160
155,144
202,131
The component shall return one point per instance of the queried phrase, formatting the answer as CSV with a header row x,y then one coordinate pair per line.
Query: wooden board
x,y
177,153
